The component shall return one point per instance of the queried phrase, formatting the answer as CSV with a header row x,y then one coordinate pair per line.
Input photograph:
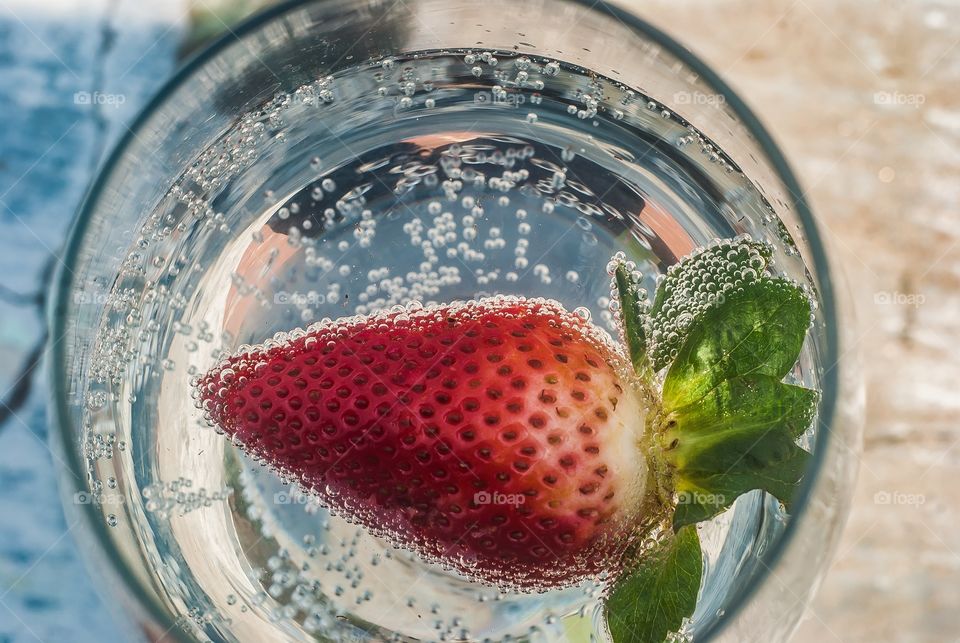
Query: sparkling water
x,y
432,178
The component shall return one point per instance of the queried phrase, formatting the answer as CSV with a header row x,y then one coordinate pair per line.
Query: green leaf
x,y
739,437
705,493
727,425
742,405
652,601
631,317
758,329
696,284
730,424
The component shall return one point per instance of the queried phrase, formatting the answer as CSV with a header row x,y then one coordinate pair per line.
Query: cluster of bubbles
x,y
700,282
99,446
163,499
337,569
113,354
458,239
688,289
693,137
187,206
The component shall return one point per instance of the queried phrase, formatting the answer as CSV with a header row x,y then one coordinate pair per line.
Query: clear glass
x,y
199,209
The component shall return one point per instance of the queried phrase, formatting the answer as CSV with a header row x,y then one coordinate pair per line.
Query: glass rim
x,y
62,283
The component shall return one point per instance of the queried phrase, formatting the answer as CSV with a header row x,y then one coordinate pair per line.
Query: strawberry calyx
x,y
724,422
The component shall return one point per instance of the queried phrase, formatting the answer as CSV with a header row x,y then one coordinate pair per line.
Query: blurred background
x,y
862,95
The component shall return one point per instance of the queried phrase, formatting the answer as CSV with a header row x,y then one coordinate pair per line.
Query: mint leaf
x,y
651,602
631,316
696,284
730,423
758,329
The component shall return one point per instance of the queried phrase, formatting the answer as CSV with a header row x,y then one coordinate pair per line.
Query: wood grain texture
x,y
864,98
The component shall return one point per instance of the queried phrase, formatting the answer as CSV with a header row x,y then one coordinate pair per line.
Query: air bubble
x,y
96,400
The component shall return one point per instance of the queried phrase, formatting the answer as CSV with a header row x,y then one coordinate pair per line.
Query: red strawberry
x,y
499,437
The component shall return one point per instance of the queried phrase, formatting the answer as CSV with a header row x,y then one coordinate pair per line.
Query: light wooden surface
x,y
864,97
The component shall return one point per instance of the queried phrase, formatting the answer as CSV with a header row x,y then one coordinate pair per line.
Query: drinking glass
x,y
284,171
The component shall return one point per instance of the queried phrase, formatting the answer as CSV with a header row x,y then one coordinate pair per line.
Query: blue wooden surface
x,y
51,141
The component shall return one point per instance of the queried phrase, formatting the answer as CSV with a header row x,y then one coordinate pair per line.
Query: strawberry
x,y
499,437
